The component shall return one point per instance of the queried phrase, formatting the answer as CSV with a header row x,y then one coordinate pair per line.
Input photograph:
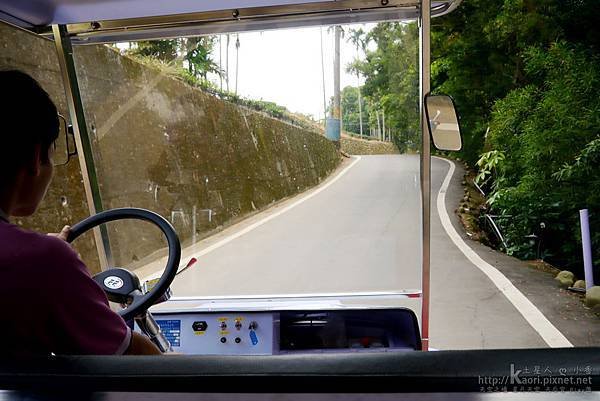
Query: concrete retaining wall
x,y
163,145
357,146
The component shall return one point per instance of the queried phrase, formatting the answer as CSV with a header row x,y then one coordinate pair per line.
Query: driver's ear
x,y
35,160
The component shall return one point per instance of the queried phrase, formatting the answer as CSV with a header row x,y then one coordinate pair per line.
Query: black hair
x,y
27,117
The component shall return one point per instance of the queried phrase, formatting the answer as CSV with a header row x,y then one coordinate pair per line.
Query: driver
x,y
50,303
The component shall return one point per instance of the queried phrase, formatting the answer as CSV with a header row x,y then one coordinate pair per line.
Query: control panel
x,y
220,333
290,331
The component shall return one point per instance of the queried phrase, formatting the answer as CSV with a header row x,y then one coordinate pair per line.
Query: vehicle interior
x,y
318,343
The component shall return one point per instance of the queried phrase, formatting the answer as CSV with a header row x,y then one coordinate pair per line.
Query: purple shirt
x,y
49,301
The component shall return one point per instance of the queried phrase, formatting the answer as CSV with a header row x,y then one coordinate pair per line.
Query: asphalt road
x,y
362,234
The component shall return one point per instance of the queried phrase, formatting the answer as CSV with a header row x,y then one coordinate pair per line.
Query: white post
x,y
586,243
194,224
383,122
378,125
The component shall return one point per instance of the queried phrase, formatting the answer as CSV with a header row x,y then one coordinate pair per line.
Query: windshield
x,y
281,185
256,191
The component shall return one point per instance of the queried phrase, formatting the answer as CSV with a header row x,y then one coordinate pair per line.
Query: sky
x,y
284,66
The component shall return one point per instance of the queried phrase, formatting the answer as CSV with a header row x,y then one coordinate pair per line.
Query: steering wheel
x,y
121,285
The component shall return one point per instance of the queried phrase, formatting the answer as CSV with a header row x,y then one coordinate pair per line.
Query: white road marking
x,y
259,223
536,319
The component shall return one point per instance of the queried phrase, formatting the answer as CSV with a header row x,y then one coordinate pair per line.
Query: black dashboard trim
x,y
388,372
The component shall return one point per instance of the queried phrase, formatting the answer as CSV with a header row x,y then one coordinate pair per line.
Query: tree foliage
x,y
524,75
479,51
525,72
550,132
392,79
350,112
195,52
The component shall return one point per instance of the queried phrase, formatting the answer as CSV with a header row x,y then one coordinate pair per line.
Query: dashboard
x,y
288,328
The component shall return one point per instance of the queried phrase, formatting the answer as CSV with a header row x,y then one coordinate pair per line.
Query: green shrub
x,y
549,132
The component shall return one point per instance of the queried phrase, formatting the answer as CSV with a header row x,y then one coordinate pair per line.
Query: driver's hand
x,y
63,234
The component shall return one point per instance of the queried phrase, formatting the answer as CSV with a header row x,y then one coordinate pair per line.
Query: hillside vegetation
x,y
525,76
526,73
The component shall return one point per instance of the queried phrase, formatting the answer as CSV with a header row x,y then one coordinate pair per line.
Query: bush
x,y
549,132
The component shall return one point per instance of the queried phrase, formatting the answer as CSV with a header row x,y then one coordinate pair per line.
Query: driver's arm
x,y
141,345
80,319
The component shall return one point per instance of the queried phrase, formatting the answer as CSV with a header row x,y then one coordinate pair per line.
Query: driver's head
x,y
29,126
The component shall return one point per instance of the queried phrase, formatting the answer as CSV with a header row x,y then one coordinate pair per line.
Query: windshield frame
x,y
64,40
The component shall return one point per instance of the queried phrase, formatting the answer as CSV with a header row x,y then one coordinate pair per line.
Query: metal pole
x,y
194,222
323,77
425,64
337,100
586,243
378,125
221,61
237,62
64,51
359,106
383,123
227,64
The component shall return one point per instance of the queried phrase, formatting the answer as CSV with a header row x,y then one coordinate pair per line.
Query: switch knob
x,y
253,337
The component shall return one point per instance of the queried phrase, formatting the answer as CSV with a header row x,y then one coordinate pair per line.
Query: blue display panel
x,y
172,331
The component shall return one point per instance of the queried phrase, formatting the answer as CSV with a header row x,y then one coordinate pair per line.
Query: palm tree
x,y
357,39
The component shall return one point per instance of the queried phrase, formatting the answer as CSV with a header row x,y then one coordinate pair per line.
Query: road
x,y
361,233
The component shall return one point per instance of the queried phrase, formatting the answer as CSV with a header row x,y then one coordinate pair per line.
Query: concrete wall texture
x,y
163,145
357,146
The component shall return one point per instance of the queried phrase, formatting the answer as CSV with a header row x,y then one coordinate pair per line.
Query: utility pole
x,y
221,61
227,64
237,61
337,99
323,76
334,123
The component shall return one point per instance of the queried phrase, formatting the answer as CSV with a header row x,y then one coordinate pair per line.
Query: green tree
x,y
478,52
196,52
351,114
197,55
358,39
524,75
549,131
392,80
163,50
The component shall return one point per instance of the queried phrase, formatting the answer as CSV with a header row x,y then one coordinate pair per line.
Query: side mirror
x,y
442,121
64,145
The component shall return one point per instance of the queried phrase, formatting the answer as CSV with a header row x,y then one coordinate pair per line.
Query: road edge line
x,y
536,319
287,208
313,191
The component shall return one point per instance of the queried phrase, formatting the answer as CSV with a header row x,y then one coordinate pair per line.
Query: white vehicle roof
x,y
101,21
